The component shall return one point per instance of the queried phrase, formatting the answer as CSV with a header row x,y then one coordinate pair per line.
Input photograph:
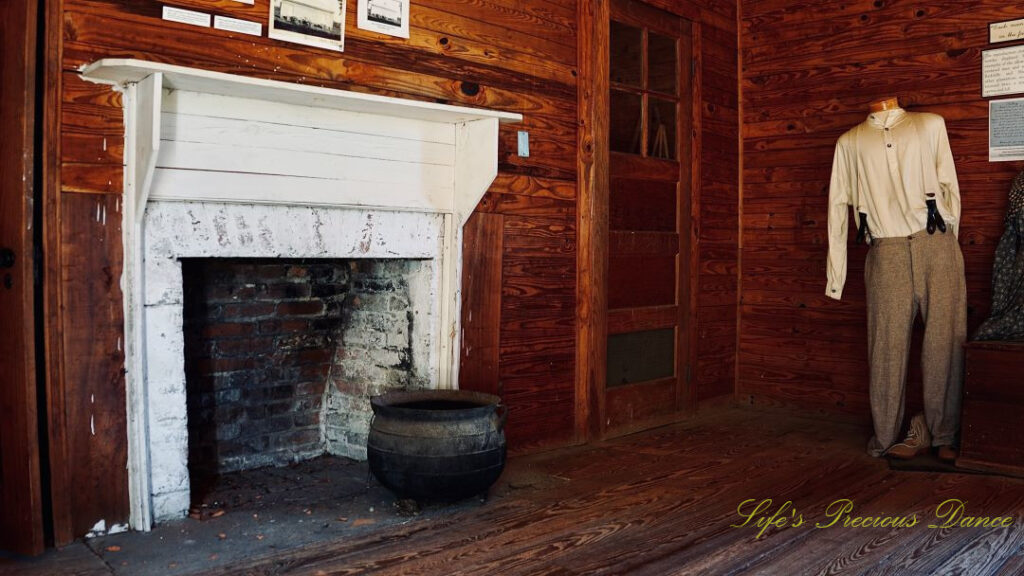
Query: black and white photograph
x,y
317,23
389,17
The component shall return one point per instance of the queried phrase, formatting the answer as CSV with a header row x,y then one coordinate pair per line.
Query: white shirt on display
x,y
887,167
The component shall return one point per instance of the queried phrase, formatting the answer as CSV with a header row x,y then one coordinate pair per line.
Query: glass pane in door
x,y
626,54
625,122
661,73
661,128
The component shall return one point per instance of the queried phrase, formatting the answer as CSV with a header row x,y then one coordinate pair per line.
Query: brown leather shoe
x,y
947,453
918,440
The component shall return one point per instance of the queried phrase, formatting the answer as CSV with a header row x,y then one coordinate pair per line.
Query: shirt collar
x,y
886,118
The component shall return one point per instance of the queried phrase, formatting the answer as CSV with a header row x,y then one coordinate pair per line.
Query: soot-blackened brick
x,y
268,341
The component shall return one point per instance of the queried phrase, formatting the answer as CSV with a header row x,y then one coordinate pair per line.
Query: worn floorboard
x,y
666,502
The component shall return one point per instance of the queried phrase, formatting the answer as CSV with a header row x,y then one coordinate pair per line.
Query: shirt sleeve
x,y
947,176
839,198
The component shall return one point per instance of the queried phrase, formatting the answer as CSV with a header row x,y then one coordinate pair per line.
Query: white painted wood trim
x,y
142,143
126,70
448,336
476,164
149,95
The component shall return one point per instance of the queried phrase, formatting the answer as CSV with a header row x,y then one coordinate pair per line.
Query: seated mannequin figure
x,y
896,171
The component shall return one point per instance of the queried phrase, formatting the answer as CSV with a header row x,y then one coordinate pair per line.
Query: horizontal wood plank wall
x,y
716,193
810,69
518,56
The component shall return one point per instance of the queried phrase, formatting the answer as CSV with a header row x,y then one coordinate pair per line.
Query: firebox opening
x,y
282,356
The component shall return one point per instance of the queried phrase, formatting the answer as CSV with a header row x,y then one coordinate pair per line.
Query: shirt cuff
x,y
834,293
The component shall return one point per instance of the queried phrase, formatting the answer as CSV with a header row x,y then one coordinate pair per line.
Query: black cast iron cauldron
x,y
437,444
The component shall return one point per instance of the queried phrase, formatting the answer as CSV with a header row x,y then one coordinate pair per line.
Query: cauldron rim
x,y
389,404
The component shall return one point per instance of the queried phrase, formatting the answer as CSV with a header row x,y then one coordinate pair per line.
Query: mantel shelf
x,y
122,71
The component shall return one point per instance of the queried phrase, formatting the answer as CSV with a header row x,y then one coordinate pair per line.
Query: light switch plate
x,y
524,143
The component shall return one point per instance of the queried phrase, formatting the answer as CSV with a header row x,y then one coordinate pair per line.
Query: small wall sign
x,y
184,16
1002,71
1006,130
1006,31
236,25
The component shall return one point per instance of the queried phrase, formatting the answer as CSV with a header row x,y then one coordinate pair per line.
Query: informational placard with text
x,y
1006,130
1002,71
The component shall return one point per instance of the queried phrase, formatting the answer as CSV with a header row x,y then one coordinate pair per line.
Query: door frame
x,y
21,491
592,231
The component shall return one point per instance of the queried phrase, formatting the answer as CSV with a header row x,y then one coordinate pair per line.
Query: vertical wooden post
x,y
21,518
694,226
592,218
60,483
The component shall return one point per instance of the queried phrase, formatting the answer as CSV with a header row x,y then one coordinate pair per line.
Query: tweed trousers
x,y
904,276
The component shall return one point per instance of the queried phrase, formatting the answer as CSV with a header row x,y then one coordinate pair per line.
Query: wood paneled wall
x,y
518,56
810,69
520,280
716,209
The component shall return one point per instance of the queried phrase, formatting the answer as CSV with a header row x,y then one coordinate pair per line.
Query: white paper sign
x,y
236,25
1006,130
1004,31
186,16
1002,71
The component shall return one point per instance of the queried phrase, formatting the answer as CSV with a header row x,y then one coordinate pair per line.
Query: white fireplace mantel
x,y
338,149
146,83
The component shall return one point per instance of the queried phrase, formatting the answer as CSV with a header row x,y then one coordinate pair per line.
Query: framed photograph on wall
x,y
389,17
319,23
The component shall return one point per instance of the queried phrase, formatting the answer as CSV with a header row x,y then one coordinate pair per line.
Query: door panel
x,y
21,525
650,110
642,205
638,280
641,356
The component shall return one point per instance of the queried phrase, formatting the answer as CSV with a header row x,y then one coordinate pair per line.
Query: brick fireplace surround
x,y
202,238
281,355
312,239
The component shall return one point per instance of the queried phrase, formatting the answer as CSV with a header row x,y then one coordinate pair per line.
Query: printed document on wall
x,y
1006,130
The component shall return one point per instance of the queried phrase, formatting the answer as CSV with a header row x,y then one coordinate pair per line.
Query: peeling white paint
x,y
98,529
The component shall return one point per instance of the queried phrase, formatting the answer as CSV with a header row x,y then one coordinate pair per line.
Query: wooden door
x,y
21,526
649,126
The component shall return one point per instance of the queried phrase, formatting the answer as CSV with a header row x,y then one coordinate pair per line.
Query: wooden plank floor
x,y
664,502
659,502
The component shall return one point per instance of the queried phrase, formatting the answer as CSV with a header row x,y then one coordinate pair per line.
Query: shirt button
x,y
886,129
888,145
